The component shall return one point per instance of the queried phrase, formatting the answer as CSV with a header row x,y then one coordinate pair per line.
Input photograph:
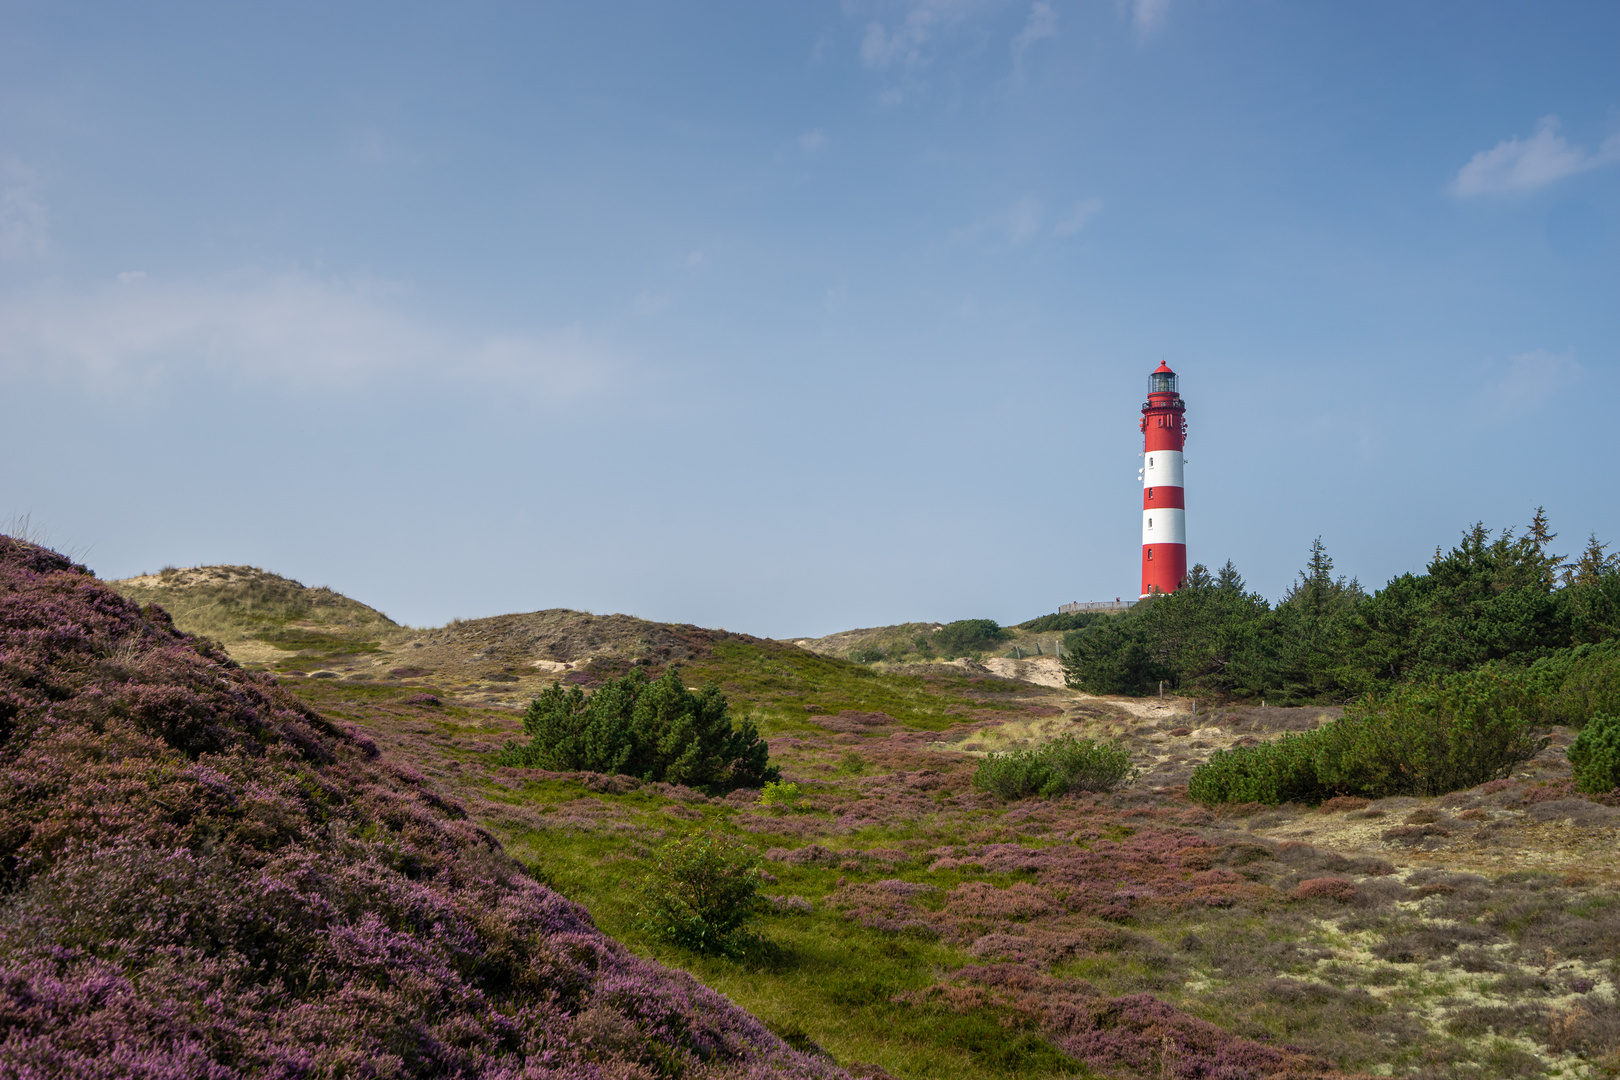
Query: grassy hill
x,y
923,642
934,931
202,876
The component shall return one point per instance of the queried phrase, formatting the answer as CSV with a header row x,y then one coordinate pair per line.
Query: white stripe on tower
x,y
1162,468
1164,527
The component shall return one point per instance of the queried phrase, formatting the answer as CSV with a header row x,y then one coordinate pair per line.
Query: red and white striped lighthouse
x,y
1164,513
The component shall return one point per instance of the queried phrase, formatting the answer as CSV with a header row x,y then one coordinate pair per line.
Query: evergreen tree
x,y
651,730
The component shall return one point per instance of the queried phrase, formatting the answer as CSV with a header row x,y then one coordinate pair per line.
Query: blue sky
x,y
791,318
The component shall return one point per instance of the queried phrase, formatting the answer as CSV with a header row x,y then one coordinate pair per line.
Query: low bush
x,y
704,893
1418,740
650,730
1059,623
1579,683
967,636
1271,773
781,793
1326,888
1595,755
1061,766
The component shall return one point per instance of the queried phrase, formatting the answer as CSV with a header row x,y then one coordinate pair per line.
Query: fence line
x,y
1096,605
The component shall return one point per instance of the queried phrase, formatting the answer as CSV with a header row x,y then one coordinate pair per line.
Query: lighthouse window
x,y
1150,493
1150,463
1150,523
1150,554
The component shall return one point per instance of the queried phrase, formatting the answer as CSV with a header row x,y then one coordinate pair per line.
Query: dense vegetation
x,y
1422,739
1064,765
1449,671
654,731
1595,755
1059,622
1493,598
200,876
912,642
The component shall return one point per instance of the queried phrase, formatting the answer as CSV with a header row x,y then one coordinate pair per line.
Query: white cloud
x,y
1015,223
24,231
813,142
1532,380
1042,23
1079,215
1022,219
1148,16
651,303
903,41
1526,164
290,329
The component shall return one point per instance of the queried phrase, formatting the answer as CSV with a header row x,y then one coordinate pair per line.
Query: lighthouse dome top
x,y
1162,381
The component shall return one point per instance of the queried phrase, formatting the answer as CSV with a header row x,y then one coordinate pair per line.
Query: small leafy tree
x,y
704,893
651,730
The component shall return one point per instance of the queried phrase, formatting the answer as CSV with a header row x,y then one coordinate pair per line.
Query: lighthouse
x,y
1164,513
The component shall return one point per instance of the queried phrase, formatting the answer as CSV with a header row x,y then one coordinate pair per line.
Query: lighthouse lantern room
x,y
1164,513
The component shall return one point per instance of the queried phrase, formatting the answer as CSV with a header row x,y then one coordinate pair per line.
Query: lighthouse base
x,y
1164,568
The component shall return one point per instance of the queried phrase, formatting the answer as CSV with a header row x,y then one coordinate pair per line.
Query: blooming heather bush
x,y
1326,888
704,892
201,877
1137,1034
1061,766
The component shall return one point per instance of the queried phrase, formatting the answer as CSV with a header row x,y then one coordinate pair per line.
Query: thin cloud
x,y
1078,217
813,142
1015,224
1042,23
1532,381
1515,165
289,328
24,223
903,41
1149,16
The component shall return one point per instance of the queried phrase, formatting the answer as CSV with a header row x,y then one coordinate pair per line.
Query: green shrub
x,y
967,636
780,793
1426,739
703,893
1579,683
1061,766
650,730
1077,620
1595,755
868,654
1272,773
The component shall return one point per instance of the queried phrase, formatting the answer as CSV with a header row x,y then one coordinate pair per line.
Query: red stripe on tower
x,y
1164,517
